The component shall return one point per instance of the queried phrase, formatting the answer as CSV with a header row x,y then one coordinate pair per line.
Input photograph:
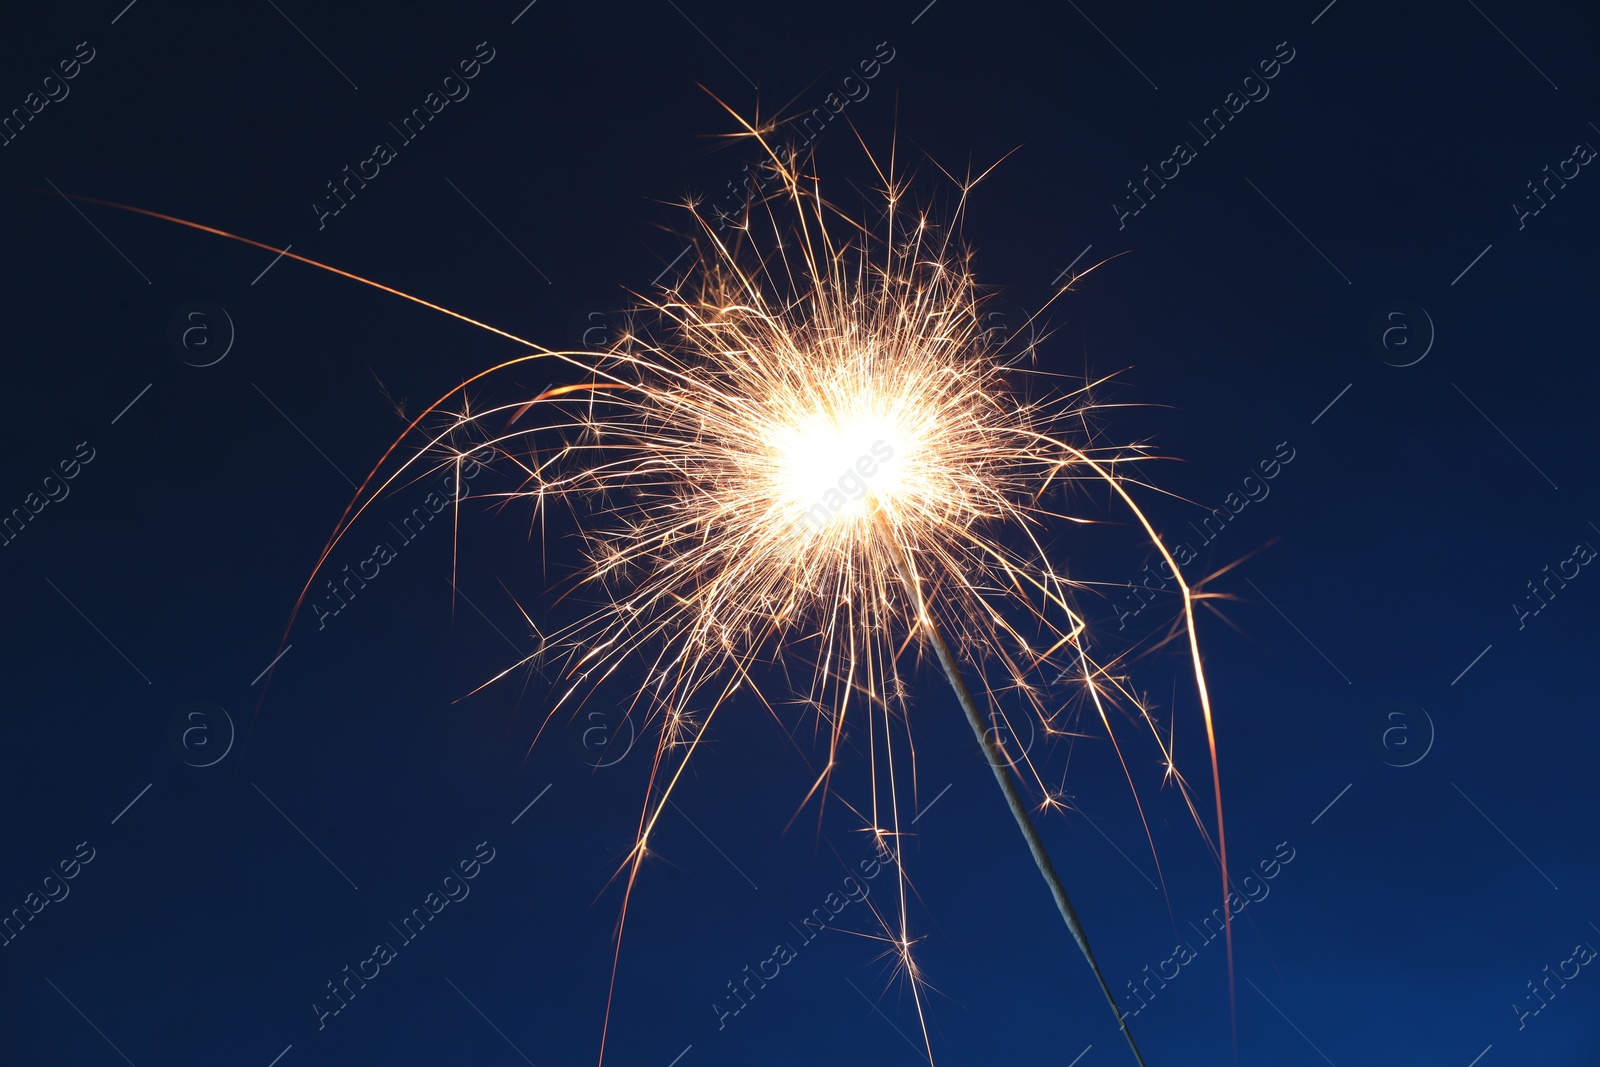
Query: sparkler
x,y
809,455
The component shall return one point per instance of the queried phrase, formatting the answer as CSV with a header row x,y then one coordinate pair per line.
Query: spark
x,y
806,452
806,458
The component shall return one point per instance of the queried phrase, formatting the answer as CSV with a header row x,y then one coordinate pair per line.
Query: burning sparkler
x,y
810,454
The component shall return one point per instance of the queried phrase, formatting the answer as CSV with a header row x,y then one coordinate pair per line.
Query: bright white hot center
x,y
829,466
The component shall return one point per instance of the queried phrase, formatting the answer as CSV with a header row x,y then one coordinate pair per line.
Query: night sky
x,y
1352,246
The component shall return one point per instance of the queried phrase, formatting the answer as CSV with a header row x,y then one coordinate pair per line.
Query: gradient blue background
x,y
1415,909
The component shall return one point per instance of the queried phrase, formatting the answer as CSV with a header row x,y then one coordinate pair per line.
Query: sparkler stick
x,y
1000,764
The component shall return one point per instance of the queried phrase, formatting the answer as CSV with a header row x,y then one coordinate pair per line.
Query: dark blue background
x,y
1415,909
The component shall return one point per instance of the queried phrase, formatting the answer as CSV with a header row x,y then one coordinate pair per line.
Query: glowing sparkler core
x,y
828,467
